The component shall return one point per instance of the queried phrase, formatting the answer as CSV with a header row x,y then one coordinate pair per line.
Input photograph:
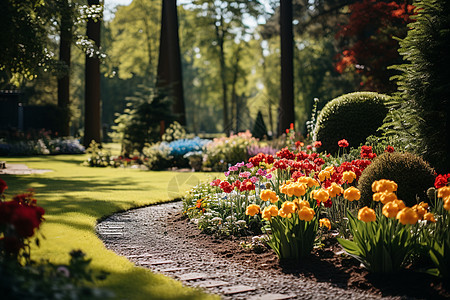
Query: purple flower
x,y
254,179
245,174
268,176
233,168
249,165
261,172
227,173
240,165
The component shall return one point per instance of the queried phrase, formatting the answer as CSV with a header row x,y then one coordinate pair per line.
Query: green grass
x,y
75,197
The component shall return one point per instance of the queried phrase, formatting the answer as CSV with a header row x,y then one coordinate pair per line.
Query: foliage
x,y
140,122
413,175
157,156
368,41
353,117
174,132
382,246
97,157
421,114
181,147
228,150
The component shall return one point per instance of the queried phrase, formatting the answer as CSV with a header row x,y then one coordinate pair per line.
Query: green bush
x,y
412,174
353,117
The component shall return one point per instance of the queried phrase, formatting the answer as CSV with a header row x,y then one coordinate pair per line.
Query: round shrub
x,y
353,117
412,174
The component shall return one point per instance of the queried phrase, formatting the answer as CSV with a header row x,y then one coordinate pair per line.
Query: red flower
x,y
281,164
247,185
226,186
343,143
285,153
441,181
11,244
299,144
237,184
317,144
269,159
366,152
389,149
3,186
216,182
26,219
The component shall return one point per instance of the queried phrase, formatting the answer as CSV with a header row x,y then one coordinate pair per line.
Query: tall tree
x,y
65,43
286,109
169,78
92,114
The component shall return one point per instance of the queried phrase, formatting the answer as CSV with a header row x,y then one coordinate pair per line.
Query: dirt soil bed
x,y
163,232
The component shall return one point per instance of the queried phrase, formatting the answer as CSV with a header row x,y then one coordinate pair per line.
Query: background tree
x,y
92,113
169,80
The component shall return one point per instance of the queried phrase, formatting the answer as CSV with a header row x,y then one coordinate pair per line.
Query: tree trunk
x,y
64,81
92,115
220,40
286,113
169,79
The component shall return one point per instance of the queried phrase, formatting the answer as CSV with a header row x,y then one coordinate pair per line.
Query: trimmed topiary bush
x,y
412,174
353,117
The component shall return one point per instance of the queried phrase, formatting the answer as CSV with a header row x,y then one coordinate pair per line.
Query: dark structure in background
x,y
92,113
286,112
169,81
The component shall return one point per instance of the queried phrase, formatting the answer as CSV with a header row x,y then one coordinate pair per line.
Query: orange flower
x,y
310,182
429,217
323,175
321,195
384,185
386,197
349,176
407,216
325,223
444,192
306,214
335,190
287,208
447,204
299,204
391,209
352,194
366,214
269,212
252,210
269,195
420,210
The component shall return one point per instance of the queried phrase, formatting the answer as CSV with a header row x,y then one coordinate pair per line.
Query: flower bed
x,y
296,200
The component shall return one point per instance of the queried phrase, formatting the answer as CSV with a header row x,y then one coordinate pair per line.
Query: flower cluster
x,y
366,152
19,218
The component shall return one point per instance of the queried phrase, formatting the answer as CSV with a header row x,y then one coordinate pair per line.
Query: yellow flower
x,y
288,207
323,175
252,210
429,217
299,204
269,195
352,194
283,214
407,216
269,212
325,223
444,192
306,214
335,190
386,197
420,210
321,195
299,189
310,182
384,185
329,169
391,209
366,214
349,176
447,203
283,188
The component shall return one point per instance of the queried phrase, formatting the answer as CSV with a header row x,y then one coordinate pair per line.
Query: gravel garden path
x,y
148,237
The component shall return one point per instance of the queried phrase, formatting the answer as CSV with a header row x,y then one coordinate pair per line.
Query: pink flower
x,y
233,168
249,165
245,174
227,173
240,165
268,176
261,172
253,179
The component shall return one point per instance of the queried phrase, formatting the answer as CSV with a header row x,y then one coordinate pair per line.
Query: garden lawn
x,y
75,197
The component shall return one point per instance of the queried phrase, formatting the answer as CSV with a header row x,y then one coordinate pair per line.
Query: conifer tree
x,y
424,86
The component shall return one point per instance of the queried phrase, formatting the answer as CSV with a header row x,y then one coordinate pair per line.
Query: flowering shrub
x,y
182,146
228,150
